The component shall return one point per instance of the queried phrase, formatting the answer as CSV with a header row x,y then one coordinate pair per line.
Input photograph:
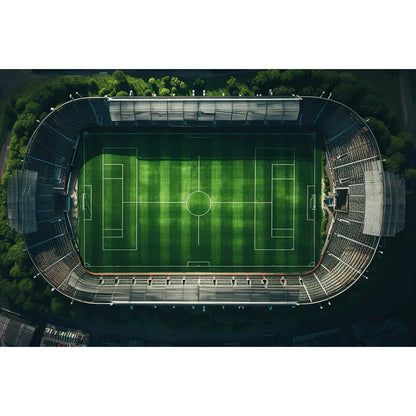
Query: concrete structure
x,y
352,155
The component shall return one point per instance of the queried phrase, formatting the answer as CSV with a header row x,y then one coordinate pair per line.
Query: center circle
x,y
198,203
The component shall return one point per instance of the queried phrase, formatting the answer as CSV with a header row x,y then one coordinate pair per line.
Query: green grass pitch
x,y
217,200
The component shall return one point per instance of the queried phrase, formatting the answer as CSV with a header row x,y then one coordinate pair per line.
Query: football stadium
x,y
203,200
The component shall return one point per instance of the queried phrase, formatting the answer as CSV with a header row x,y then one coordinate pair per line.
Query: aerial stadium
x,y
203,200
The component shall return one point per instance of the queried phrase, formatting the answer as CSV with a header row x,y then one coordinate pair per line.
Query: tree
x,y
119,75
292,77
14,254
174,82
57,306
198,84
381,132
183,89
243,90
152,84
25,124
26,285
397,144
16,272
370,105
93,86
148,92
232,86
122,94
265,80
34,108
282,90
121,83
346,92
21,104
164,91
410,173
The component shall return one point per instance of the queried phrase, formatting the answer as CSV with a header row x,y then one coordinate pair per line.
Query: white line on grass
x,y
199,173
213,265
152,202
241,202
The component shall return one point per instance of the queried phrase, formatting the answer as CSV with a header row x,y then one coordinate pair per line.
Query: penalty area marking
x,y
293,178
103,178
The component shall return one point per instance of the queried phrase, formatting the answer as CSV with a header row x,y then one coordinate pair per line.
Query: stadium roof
x,y
204,109
373,213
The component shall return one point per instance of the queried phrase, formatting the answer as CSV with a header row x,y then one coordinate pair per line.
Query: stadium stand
x,y
352,154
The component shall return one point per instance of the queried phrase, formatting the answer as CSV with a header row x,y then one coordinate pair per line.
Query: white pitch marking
x,y
153,202
241,202
199,173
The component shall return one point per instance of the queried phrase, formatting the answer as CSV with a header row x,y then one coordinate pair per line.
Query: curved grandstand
x,y
369,203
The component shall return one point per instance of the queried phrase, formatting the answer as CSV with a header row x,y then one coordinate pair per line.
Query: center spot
x,y
198,203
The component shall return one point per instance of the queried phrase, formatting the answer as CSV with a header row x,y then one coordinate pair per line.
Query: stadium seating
x,y
351,149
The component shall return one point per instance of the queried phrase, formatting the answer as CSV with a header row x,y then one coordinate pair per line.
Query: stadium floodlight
x,y
270,91
131,93
322,93
321,307
330,95
52,108
38,120
71,97
77,93
223,94
203,93
193,93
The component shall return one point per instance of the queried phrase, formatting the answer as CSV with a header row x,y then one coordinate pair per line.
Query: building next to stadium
x,y
369,202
